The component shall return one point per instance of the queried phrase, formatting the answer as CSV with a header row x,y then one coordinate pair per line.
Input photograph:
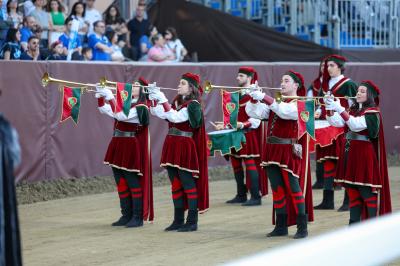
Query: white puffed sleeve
x,y
284,110
172,115
257,110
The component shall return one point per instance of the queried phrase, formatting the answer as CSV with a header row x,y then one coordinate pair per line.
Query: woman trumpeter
x,y
129,154
362,168
184,153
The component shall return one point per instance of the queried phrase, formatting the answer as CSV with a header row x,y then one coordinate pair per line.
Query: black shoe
x,y
352,222
136,221
123,220
191,222
238,199
188,228
343,208
302,231
281,228
327,201
252,202
178,220
345,204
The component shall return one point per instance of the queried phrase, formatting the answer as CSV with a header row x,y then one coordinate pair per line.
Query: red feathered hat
x,y
298,78
249,71
193,79
373,89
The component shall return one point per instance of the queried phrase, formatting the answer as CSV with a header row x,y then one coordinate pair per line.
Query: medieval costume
x,y
10,157
362,169
286,161
250,153
184,153
338,86
129,156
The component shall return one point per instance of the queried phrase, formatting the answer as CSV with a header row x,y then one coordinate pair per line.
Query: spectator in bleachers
x,y
4,25
11,49
159,52
56,20
29,25
12,13
113,18
78,12
87,54
33,52
137,27
99,43
57,49
91,15
116,55
145,42
65,38
28,8
175,44
42,19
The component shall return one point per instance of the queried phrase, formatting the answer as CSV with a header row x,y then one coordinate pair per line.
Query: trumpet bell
x,y
278,97
45,79
207,86
103,81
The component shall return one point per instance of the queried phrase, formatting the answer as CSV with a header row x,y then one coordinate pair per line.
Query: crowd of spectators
x,y
41,30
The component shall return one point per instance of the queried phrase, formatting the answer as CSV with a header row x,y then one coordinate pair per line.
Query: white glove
x,y
158,96
107,94
334,106
257,95
152,87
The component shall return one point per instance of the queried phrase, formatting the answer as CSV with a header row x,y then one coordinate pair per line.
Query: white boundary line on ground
x,y
372,242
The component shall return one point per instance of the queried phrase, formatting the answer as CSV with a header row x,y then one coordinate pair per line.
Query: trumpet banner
x,y
306,120
124,98
230,108
71,103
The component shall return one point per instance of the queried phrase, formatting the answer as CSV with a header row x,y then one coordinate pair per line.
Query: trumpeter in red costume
x,y
129,155
362,168
313,91
336,84
250,153
285,157
184,153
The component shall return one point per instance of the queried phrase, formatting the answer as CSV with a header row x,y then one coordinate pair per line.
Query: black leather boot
x,y
191,222
327,201
179,214
238,199
345,204
319,184
137,219
281,228
126,211
301,222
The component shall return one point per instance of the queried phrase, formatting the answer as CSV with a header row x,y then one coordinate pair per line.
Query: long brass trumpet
x,y
208,87
104,82
46,79
279,97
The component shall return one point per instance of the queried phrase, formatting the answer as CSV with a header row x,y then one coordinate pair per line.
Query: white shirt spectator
x,y
92,15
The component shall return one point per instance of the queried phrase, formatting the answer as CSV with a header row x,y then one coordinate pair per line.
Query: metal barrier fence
x,y
332,23
361,23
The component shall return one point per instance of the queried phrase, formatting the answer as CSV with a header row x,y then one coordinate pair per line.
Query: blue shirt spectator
x,y
29,23
99,43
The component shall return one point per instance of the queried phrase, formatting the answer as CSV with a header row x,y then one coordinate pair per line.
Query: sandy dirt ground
x,y
77,231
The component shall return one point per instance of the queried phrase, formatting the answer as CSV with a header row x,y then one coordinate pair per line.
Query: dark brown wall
x,y
52,150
